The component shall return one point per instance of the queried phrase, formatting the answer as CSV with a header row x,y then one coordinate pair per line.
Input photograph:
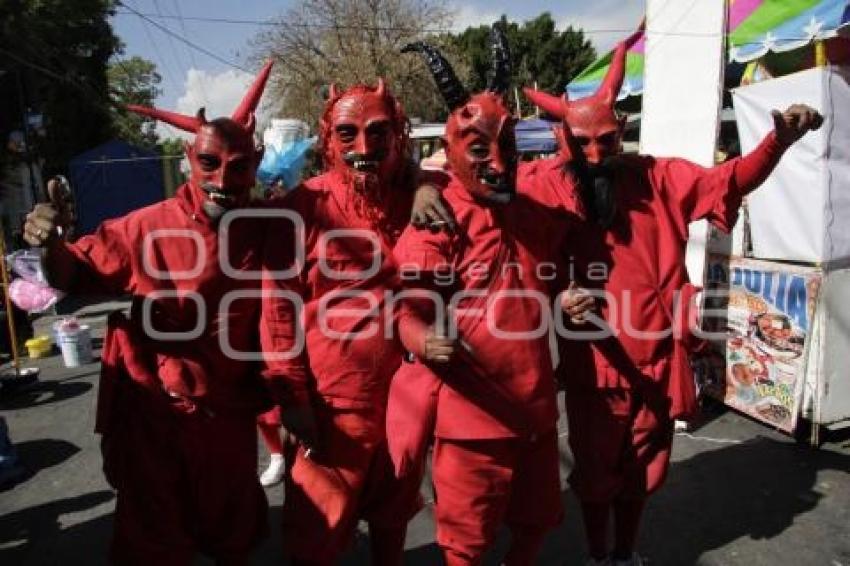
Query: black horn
x,y
450,87
500,70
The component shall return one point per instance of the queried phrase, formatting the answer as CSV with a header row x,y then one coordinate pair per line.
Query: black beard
x,y
598,193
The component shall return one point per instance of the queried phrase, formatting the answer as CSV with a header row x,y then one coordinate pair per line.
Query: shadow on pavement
x,y
36,455
755,489
42,393
46,542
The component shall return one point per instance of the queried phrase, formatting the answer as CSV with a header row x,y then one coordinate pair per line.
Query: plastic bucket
x,y
75,344
39,347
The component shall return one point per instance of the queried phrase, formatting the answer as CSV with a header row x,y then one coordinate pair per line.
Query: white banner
x,y
683,80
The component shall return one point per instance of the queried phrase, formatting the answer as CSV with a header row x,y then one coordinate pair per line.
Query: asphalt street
x,y
738,494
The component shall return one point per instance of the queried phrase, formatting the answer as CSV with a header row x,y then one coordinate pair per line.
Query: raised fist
x,y
795,122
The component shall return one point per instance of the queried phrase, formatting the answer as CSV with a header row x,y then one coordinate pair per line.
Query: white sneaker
x,y
274,473
634,560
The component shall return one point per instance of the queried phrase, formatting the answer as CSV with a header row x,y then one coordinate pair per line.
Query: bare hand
x,y
46,222
795,122
430,211
40,226
439,348
577,302
299,426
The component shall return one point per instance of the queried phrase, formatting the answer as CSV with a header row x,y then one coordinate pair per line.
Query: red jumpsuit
x,y
177,415
344,372
494,412
624,392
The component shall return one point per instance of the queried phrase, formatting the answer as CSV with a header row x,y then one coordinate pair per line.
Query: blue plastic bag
x,y
285,165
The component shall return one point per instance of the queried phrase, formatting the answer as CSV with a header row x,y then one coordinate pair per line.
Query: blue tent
x,y
535,136
113,179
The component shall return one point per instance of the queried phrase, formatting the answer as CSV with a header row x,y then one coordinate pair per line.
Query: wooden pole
x,y
10,316
820,53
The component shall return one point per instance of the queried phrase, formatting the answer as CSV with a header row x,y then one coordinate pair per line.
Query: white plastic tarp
x,y
802,212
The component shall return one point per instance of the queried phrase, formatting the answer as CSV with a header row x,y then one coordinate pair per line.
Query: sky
x,y
192,78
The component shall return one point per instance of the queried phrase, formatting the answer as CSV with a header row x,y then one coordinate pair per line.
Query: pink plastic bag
x,y
33,297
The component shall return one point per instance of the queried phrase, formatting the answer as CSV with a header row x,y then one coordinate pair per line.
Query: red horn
x,y
613,81
333,92
381,89
249,103
186,123
553,105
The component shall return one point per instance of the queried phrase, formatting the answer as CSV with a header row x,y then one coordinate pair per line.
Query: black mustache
x,y
352,156
216,191
499,182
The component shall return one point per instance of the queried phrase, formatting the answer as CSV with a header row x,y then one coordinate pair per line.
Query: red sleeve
x,y
104,259
420,255
753,169
548,182
715,194
286,370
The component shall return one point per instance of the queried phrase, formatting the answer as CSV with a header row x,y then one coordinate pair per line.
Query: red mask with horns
x,y
480,140
592,122
363,136
223,157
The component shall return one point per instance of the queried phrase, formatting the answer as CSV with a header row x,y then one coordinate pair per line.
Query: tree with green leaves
x,y
541,54
134,81
54,54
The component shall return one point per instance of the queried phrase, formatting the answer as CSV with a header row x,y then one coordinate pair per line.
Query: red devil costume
x,y
492,409
177,413
352,215
624,392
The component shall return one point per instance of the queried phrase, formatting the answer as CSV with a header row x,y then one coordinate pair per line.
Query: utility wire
x,y
174,56
585,31
190,51
207,52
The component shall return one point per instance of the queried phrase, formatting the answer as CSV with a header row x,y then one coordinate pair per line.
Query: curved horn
x,y
500,70
613,81
185,123
450,87
553,105
381,89
252,97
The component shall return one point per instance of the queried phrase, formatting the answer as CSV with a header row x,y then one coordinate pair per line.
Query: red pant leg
x,y
186,483
144,457
480,484
621,447
231,514
649,457
323,494
535,503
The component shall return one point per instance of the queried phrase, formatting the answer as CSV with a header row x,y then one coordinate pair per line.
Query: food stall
x,y
777,288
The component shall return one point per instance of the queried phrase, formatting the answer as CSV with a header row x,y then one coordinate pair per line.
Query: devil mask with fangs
x,y
592,121
480,142
223,157
594,128
364,137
